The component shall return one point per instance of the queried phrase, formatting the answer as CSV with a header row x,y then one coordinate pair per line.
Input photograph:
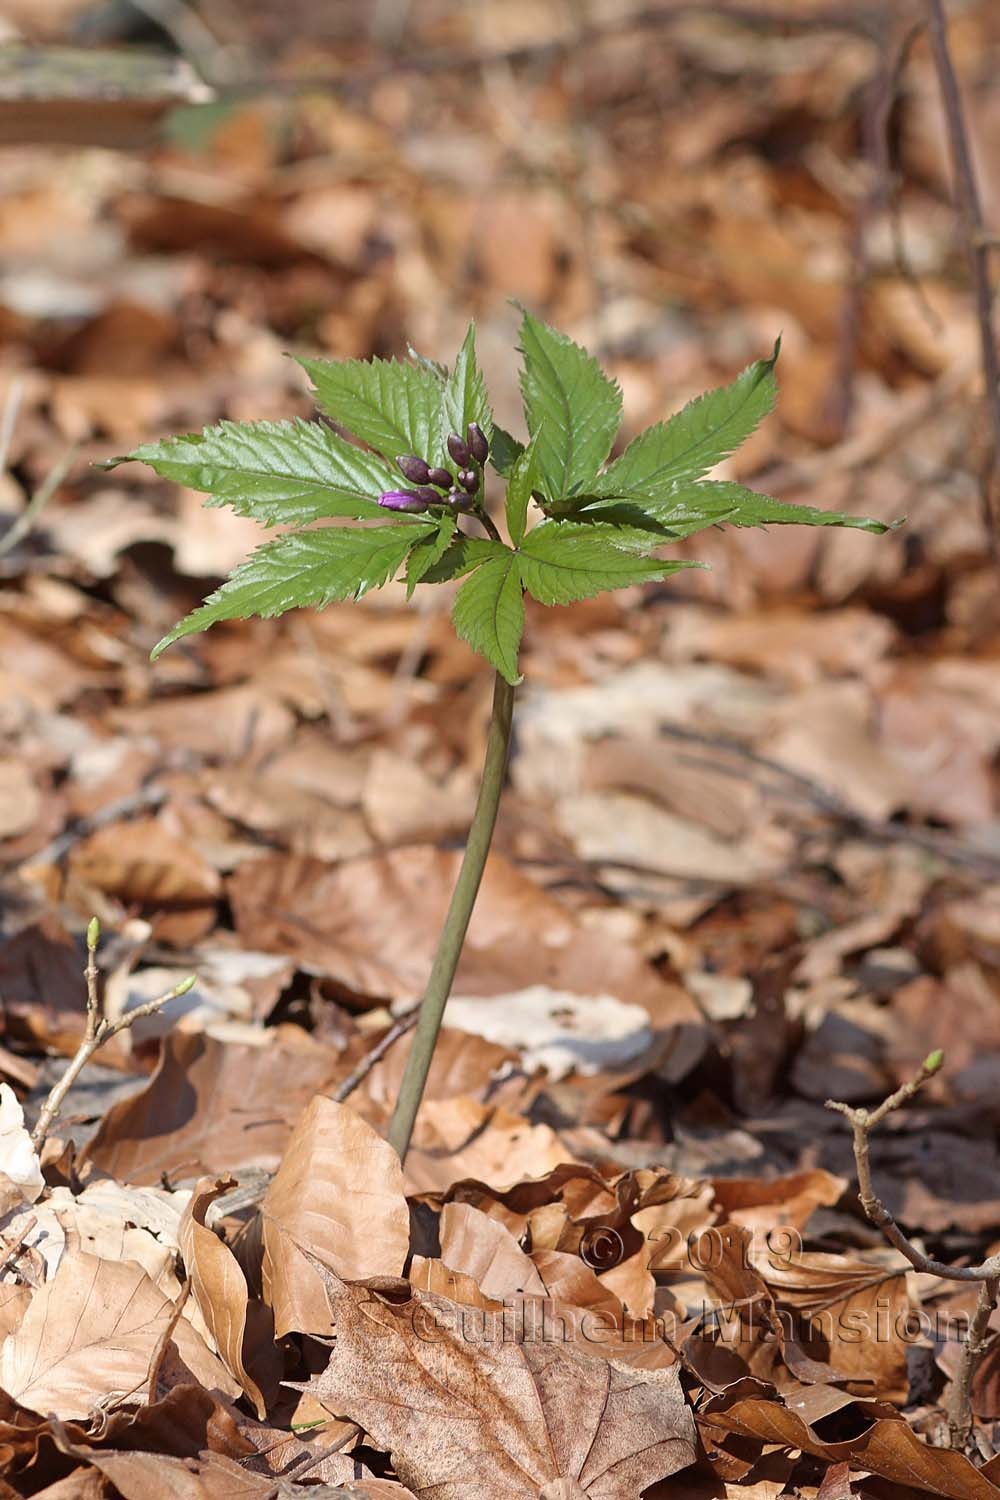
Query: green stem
x,y
456,923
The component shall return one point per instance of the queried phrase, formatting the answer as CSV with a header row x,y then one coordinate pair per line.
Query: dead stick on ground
x,y
863,1122
97,1031
977,250
400,1027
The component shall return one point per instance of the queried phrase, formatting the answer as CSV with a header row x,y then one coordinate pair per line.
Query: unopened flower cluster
x,y
433,485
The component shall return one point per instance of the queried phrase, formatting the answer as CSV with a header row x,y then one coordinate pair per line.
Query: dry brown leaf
x,y
142,862
92,1330
765,1205
888,1447
850,1314
337,1197
485,1250
403,804
215,1476
371,924
41,980
220,1290
20,799
504,1417
225,725
213,1107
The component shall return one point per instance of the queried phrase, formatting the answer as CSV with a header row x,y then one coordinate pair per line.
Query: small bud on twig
x,y
478,446
407,501
934,1061
439,477
458,500
93,934
469,480
415,469
459,450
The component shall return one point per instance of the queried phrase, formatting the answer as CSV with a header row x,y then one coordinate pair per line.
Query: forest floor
x,y
748,858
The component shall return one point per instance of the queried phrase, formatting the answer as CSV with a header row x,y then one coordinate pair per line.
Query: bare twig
x,y
97,1031
160,1352
978,252
9,1253
958,1404
48,487
863,1122
400,1027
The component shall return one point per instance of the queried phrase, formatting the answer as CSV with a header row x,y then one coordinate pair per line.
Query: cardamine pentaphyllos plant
x,y
422,481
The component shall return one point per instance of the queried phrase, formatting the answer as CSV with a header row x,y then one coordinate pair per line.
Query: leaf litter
x,y
748,855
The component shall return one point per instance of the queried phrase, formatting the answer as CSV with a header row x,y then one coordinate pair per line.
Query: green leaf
x,y
691,507
489,611
436,368
523,479
465,398
278,472
693,441
504,450
561,562
429,550
572,409
393,407
304,567
462,555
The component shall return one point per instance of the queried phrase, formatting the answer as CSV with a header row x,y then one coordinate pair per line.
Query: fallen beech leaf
x,y
557,1030
41,980
220,1290
337,1197
486,1251
767,1205
20,799
371,923
889,1448
460,1138
141,861
850,1313
500,1417
219,1476
213,1107
18,1158
92,1330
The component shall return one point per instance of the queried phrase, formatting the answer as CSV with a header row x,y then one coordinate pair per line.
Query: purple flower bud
x,y
459,501
402,500
469,480
459,450
440,477
478,446
414,468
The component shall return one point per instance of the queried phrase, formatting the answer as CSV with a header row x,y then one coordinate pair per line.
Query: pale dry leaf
x,y
142,861
503,1417
460,1137
92,1330
212,1106
18,1158
615,828
337,1197
482,1248
403,804
114,1223
20,799
557,1030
